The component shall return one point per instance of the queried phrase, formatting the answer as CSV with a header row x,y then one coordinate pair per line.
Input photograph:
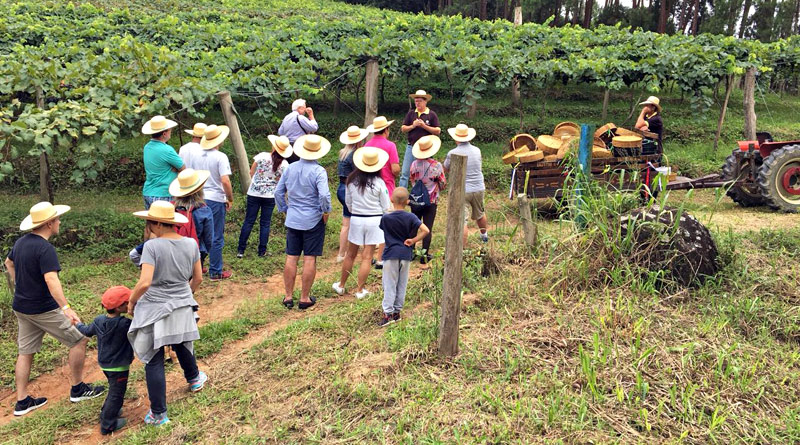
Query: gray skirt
x,y
179,326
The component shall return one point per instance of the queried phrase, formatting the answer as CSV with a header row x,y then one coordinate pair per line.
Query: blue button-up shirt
x,y
294,125
304,185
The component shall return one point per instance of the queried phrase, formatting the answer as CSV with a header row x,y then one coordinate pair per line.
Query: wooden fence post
x,y
371,92
750,104
515,97
45,183
453,258
728,89
529,229
242,160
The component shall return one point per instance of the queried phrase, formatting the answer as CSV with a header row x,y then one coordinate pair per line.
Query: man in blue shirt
x,y
296,124
304,185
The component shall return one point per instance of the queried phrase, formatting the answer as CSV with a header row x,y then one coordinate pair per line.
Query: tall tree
x,y
587,16
482,10
695,16
662,17
745,18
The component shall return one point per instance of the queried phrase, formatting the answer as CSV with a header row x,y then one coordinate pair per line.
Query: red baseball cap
x,y
115,297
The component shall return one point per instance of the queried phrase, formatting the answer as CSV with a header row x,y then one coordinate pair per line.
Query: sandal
x,y
288,303
304,305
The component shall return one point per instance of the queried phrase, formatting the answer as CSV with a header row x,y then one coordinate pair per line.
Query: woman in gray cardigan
x,y
162,306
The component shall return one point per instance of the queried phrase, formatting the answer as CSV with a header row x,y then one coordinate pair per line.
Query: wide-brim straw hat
x,y
652,100
214,136
41,213
378,124
198,130
158,124
353,135
370,159
311,147
188,181
422,94
281,144
462,133
426,146
163,212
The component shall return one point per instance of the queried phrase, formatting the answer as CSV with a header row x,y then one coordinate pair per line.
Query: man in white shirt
x,y
296,124
188,149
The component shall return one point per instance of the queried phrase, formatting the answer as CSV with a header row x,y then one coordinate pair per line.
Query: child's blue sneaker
x,y
156,419
198,382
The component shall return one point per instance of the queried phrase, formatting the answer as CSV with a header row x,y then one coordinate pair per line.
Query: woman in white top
x,y
367,198
265,172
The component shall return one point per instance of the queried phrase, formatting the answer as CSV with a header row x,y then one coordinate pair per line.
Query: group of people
x,y
186,197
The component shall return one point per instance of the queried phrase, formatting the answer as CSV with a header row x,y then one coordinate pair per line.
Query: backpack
x,y
188,230
419,196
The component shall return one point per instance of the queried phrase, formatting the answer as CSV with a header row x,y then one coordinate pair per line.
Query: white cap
x,y
298,103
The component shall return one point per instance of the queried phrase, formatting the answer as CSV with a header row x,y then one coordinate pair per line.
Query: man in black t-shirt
x,y
419,122
650,119
41,307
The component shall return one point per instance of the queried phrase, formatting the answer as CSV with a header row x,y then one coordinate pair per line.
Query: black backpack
x,y
419,196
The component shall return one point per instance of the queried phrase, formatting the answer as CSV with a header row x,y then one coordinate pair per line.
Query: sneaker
x,y
240,255
484,237
362,293
262,254
386,320
338,288
28,404
396,316
223,276
379,264
156,419
425,259
198,382
82,391
118,424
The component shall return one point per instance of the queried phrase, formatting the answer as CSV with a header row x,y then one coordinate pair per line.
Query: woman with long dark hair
x,y
265,173
367,198
353,139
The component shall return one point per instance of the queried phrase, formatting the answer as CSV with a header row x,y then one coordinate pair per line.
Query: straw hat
x,y
281,144
163,212
426,146
158,124
214,136
41,213
353,135
311,147
422,94
652,100
198,130
378,124
370,159
461,133
188,181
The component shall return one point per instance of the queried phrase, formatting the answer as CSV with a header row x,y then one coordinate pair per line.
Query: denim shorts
x,y
308,242
149,200
340,196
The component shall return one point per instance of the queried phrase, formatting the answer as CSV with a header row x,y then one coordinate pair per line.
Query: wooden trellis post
x,y
750,104
371,92
242,161
453,258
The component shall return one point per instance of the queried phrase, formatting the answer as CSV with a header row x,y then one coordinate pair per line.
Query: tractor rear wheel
x,y
779,179
747,195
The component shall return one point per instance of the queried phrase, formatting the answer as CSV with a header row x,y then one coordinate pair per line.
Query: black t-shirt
x,y
33,257
430,118
655,125
398,226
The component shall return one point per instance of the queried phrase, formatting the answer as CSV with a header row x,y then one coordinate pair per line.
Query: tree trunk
x,y
606,95
515,82
662,17
728,88
695,16
685,17
587,16
745,18
750,104
371,91
45,182
482,14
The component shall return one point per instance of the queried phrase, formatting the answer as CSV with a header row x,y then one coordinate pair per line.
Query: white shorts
x,y
365,231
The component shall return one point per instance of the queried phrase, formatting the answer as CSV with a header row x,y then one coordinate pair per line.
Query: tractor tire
x,y
744,195
779,179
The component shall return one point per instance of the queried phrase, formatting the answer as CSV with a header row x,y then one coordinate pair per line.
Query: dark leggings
x,y
428,215
157,382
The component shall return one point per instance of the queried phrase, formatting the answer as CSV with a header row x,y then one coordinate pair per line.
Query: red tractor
x,y
765,173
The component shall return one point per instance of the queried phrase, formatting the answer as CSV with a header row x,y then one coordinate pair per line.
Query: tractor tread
x,y
769,169
737,194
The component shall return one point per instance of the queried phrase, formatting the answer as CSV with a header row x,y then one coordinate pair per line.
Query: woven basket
x,y
522,139
568,146
598,152
533,156
551,158
567,129
627,141
599,142
619,131
548,144
604,129
511,157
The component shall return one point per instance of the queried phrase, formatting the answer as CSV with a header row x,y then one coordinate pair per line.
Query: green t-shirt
x,y
159,161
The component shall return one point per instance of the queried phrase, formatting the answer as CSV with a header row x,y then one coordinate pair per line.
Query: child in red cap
x,y
114,354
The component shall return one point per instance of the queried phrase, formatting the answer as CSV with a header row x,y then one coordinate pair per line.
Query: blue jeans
x,y
215,254
408,158
254,204
149,200
204,225
156,380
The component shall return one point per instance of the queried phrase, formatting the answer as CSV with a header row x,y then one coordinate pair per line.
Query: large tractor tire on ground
x,y
684,252
744,195
779,179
